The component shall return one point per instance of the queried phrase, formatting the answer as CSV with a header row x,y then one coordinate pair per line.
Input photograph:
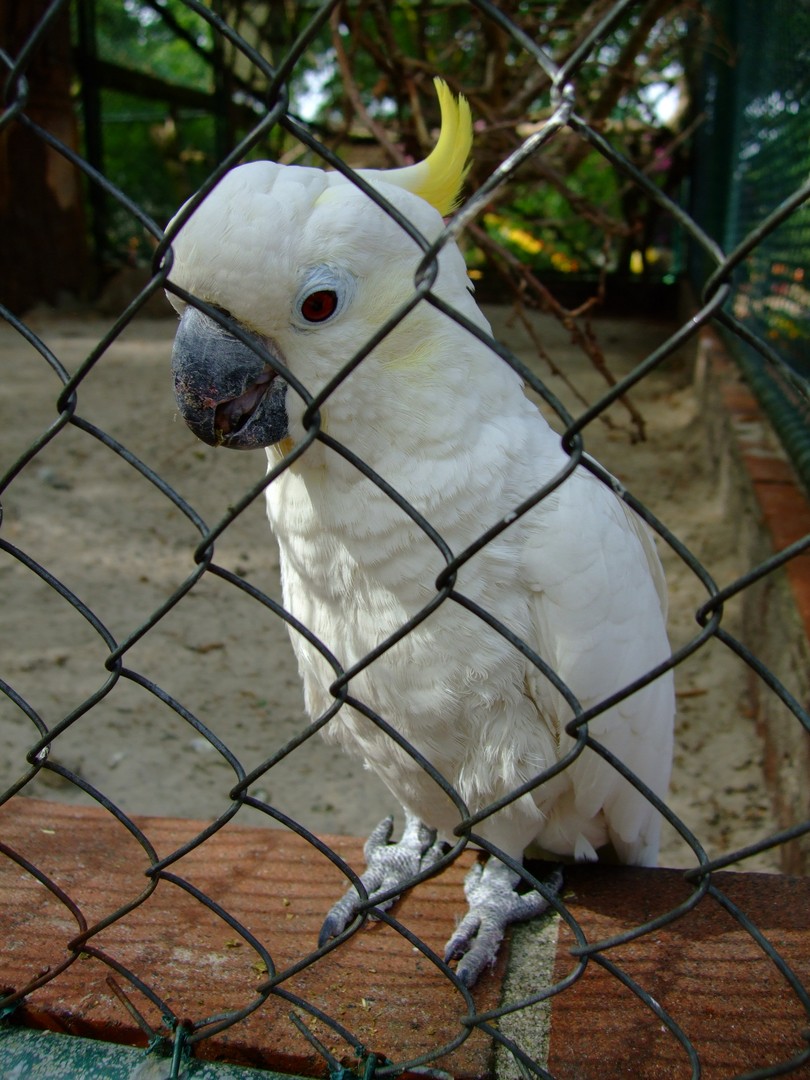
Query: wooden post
x,y
44,249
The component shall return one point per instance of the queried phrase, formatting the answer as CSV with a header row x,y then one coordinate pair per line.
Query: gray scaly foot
x,y
388,866
493,905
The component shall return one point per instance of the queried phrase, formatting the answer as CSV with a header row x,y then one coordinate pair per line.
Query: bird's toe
x,y
494,904
390,868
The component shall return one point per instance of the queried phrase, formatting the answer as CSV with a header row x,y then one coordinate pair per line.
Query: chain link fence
x,y
111,643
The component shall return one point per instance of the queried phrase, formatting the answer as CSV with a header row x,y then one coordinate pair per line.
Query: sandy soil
x,y
113,538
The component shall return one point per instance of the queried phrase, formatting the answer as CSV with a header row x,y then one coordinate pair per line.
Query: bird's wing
x,y
598,597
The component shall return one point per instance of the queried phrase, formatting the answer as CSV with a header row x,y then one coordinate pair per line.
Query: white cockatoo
x,y
303,269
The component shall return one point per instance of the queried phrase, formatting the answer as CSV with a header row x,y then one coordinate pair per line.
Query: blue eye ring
x,y
325,292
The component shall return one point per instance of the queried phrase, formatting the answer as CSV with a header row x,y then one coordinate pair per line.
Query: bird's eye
x,y
319,305
323,294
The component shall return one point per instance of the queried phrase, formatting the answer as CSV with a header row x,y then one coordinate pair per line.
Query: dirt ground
x,y
112,538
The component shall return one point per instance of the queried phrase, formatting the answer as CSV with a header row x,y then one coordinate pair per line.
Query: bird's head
x,y
304,269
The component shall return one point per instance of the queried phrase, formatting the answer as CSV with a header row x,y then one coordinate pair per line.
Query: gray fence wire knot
x,y
623,151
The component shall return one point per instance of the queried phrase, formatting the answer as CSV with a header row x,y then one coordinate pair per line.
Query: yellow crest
x,y
439,177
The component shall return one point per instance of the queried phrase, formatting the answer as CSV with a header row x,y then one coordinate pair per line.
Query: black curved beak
x,y
227,393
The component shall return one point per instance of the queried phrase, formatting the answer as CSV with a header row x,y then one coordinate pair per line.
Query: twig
x,y
584,339
353,94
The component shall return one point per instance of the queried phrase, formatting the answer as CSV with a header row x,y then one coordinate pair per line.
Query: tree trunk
x,y
43,244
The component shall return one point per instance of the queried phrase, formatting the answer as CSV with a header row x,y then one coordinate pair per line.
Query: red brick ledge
x,y
704,969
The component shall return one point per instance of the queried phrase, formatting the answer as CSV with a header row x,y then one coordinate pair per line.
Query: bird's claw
x,y
378,838
388,866
493,905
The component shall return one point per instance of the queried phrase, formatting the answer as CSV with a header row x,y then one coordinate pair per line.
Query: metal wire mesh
x,y
756,117
115,663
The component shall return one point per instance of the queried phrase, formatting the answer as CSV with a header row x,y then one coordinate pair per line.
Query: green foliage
x,y
571,245
134,35
156,152
157,158
365,83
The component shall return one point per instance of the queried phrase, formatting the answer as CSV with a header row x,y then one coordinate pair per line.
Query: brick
x,y
704,969
377,985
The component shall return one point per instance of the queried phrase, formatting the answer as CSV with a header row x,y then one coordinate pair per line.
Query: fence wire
x,y
120,665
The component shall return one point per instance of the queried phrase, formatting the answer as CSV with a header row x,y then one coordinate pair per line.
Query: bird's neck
x,y
459,454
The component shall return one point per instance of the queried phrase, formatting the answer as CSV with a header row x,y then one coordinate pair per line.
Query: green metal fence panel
x,y
752,156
